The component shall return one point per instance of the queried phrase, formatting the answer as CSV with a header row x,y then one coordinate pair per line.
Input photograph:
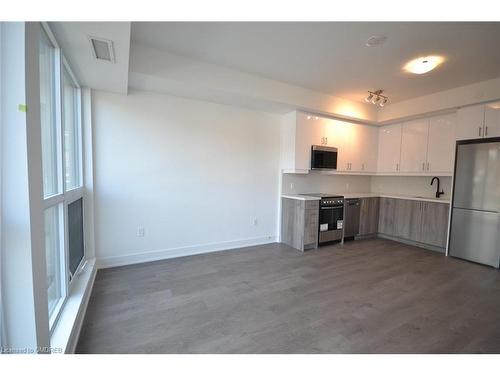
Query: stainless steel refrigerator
x,y
475,221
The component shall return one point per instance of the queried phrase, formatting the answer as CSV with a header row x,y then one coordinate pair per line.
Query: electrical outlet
x,y
140,231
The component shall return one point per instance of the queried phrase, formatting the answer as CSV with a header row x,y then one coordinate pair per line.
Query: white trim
x,y
70,72
53,200
67,330
178,252
50,34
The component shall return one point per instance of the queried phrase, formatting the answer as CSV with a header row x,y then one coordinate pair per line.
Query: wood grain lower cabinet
x,y
299,223
434,223
369,216
387,216
418,221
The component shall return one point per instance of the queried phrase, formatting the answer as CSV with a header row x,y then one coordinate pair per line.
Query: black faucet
x,y
438,193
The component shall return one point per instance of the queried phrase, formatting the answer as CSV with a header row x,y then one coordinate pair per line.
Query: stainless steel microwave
x,y
323,157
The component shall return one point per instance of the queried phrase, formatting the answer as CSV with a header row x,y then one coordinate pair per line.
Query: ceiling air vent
x,y
102,49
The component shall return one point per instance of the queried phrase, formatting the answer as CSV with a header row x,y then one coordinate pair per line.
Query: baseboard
x,y
149,256
413,243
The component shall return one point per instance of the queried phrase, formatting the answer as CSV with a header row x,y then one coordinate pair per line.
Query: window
x,y
50,154
53,250
75,235
60,108
71,122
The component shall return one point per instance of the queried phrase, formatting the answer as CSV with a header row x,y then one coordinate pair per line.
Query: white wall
x,y
24,293
315,182
440,101
403,185
419,186
156,70
194,174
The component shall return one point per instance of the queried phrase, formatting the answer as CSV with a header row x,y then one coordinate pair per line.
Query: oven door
x,y
331,218
323,157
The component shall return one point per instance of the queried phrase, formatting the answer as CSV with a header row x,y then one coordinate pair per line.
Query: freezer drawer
x,y
475,236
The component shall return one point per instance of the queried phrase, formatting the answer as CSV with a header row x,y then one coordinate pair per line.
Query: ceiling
x,y
331,57
102,75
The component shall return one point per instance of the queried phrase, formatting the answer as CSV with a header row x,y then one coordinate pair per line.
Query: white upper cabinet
x,y
425,146
357,145
414,146
470,122
317,125
492,120
339,135
295,142
389,148
441,144
478,121
367,144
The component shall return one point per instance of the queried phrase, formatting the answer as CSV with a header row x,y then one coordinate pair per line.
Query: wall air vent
x,y
102,49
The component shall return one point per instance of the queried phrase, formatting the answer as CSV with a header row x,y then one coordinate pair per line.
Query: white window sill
x,y
67,330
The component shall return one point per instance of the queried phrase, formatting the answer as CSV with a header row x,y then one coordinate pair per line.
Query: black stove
x,y
331,217
328,199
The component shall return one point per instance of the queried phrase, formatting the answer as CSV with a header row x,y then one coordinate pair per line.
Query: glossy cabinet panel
x,y
414,146
367,142
441,144
470,122
492,120
389,148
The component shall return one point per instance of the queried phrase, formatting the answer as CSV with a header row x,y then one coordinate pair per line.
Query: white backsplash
x,y
316,182
419,186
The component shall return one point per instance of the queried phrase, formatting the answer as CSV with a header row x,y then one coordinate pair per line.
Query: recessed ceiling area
x,y
332,57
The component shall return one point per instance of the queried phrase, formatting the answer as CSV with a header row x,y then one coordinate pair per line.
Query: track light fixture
x,y
376,97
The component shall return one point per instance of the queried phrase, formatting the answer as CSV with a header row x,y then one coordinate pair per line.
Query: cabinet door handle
x,y
480,131
423,166
326,140
428,166
486,131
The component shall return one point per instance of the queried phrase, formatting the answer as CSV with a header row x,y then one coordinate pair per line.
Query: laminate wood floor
x,y
370,296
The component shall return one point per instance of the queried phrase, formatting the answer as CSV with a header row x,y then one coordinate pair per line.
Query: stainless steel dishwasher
x,y
351,228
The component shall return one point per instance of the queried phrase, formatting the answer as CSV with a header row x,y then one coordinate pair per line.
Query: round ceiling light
x,y
422,65
376,40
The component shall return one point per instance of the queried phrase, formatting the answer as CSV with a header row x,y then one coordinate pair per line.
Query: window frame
x,y
57,108
65,197
65,67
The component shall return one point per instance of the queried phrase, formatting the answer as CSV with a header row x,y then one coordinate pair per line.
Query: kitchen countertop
x,y
370,195
300,197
